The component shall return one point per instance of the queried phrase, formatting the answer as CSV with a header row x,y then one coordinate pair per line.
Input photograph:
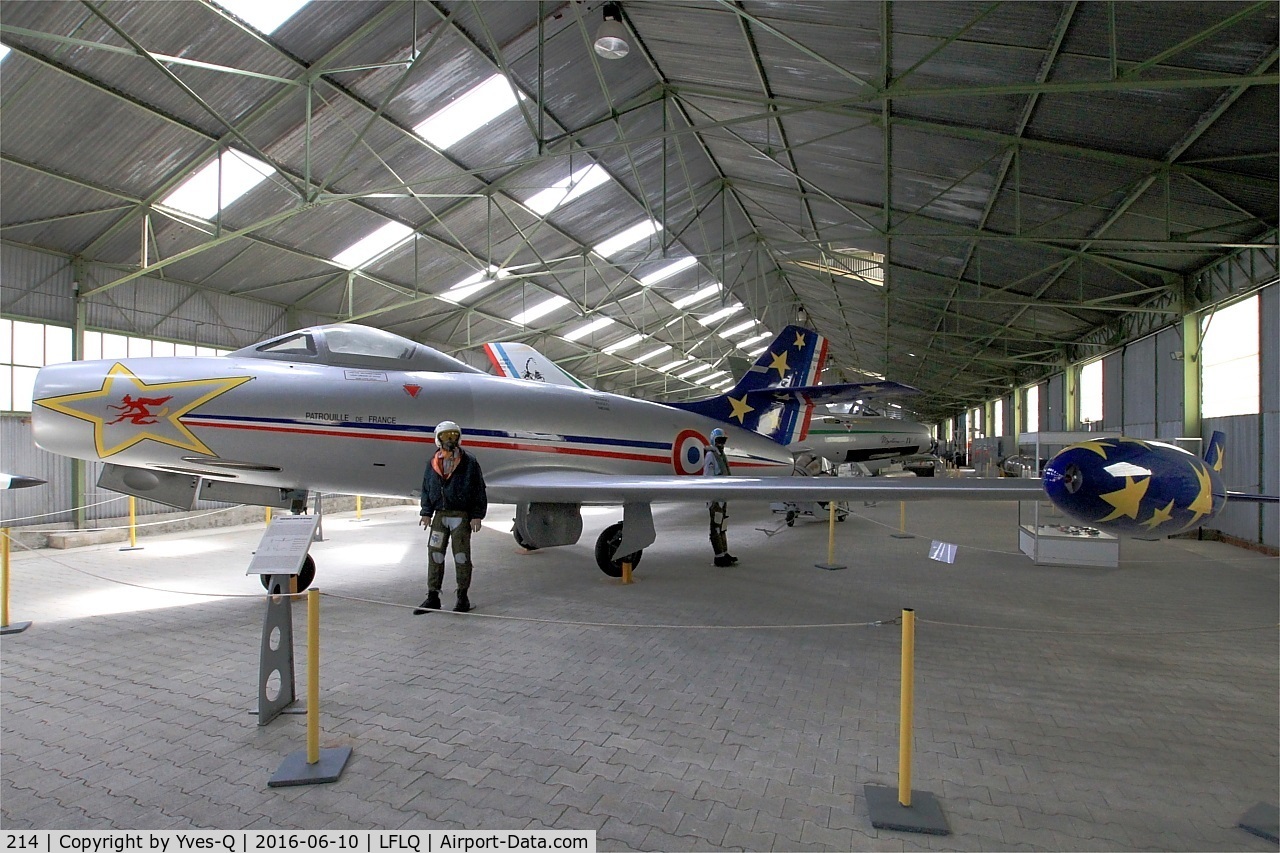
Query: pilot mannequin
x,y
454,501
716,464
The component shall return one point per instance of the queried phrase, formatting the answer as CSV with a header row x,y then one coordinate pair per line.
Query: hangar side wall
x,y
43,286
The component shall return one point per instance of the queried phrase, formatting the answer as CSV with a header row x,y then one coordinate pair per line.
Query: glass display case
x,y
1047,536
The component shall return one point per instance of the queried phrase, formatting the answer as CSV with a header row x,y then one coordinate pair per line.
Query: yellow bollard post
x,y
626,572
902,523
5,627
313,675
831,564
4,581
268,516
358,508
908,705
133,525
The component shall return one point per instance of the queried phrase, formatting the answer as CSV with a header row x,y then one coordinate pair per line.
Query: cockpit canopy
x,y
352,345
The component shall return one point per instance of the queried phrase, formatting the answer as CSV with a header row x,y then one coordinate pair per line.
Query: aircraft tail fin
x,y
1216,451
521,361
765,399
777,394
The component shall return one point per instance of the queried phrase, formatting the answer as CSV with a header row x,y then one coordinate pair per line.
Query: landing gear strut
x,y
607,558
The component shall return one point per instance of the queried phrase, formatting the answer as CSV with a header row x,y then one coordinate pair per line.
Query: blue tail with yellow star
x,y
776,396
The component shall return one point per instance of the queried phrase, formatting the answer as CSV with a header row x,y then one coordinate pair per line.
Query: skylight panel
x,y
695,298
667,271
4,51
543,308
594,326
624,343
473,284
756,352
469,112
562,192
652,354
728,380
701,368
629,237
727,311
676,363
373,246
265,17
198,194
713,379
738,329
744,344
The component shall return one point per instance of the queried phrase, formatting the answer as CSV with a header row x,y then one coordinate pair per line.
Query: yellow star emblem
x,y
1098,446
740,408
779,362
800,339
1202,505
1159,516
127,410
1128,500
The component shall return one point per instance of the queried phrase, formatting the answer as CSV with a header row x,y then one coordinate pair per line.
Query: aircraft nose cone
x,y
1068,483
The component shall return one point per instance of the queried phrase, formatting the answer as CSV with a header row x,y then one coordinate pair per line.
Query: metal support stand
x,y
275,666
1263,820
280,556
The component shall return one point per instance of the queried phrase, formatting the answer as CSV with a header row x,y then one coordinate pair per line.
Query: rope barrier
x,y
1100,633
62,511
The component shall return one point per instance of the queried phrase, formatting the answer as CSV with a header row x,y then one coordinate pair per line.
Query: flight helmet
x,y
717,434
446,427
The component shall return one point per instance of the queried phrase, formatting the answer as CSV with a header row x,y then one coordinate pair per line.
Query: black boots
x,y
726,560
433,603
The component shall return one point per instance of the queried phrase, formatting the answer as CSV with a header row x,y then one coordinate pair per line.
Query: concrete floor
x,y
698,709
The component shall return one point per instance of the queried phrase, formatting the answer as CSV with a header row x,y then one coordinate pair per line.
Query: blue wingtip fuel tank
x,y
1131,487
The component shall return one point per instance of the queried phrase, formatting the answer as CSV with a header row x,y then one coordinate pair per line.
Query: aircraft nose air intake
x,y
1072,478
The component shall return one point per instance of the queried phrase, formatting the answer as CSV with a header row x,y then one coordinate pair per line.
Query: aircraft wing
x,y
561,486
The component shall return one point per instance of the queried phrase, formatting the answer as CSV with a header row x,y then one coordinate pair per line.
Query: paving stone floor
x,y
699,708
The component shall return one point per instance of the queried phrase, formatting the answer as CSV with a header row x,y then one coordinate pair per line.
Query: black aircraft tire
x,y
306,575
520,541
607,546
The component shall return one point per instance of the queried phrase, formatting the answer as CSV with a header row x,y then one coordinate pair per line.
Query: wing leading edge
x,y
583,488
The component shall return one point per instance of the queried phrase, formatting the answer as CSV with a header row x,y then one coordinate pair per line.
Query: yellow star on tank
x,y
740,408
1127,501
779,363
1202,505
1159,516
1098,446
799,340
127,410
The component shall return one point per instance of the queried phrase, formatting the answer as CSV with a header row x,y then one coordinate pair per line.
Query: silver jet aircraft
x,y
352,409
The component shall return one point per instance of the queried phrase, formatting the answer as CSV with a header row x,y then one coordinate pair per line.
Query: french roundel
x,y
687,452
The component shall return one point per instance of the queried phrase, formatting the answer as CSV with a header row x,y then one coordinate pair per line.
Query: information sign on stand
x,y
280,556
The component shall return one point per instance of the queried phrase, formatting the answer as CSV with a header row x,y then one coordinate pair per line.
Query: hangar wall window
x,y
1031,410
997,418
24,349
1091,393
1229,368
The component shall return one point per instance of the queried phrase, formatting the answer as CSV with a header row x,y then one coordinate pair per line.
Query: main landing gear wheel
x,y
520,540
607,558
306,575
791,519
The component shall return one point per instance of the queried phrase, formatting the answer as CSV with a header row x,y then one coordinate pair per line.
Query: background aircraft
x,y
351,409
